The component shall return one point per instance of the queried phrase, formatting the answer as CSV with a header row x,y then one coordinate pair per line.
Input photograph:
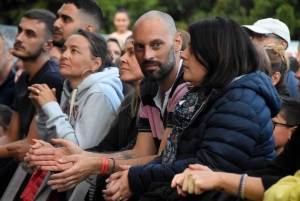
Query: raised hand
x,y
40,94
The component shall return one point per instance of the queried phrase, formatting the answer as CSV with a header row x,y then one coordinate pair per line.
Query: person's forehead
x,y
73,41
121,15
32,24
128,44
68,9
113,44
149,30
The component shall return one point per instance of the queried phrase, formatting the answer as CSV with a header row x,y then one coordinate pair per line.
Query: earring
x,y
86,71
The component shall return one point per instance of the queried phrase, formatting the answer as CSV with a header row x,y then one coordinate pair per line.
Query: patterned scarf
x,y
183,114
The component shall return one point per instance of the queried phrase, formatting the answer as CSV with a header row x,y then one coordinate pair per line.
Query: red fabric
x,y
33,185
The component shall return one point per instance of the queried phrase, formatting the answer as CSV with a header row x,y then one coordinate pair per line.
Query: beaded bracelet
x,y
114,165
104,165
241,186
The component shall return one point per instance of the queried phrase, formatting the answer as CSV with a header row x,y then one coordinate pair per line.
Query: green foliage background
x,y
183,11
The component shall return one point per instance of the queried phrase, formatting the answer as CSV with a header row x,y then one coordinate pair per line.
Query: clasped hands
x,y
40,94
195,180
118,185
68,159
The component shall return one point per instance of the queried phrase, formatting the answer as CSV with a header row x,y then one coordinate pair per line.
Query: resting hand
x,y
18,150
195,180
40,94
82,167
119,185
39,144
48,157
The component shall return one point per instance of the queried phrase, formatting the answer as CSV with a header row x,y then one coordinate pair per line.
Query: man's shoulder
x,y
50,66
48,73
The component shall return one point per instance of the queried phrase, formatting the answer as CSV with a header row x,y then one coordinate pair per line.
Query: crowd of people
x,y
156,113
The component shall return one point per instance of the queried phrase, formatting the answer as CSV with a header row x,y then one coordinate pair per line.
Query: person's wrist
x,y
220,181
84,153
80,152
97,165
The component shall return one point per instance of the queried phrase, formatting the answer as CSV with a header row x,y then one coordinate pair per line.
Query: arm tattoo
x,y
127,156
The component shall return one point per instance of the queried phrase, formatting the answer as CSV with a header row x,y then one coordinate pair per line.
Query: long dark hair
x,y
224,48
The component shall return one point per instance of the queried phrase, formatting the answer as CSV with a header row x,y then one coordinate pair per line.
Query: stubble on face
x,y
30,56
165,68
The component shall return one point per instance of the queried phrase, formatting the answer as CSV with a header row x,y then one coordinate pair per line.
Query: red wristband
x,y
104,165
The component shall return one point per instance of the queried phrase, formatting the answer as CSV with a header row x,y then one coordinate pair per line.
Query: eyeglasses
x,y
261,37
286,125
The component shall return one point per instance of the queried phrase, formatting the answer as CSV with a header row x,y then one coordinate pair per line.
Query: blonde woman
x,y
279,65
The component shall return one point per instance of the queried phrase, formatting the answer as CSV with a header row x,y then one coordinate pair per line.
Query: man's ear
x,y
292,130
96,64
177,42
275,78
91,28
48,45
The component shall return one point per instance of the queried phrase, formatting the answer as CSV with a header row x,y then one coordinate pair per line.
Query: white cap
x,y
271,25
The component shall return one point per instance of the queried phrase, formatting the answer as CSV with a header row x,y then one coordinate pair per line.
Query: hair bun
x,y
278,49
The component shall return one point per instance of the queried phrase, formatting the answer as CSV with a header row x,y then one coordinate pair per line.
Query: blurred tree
x,y
135,7
286,11
183,12
11,11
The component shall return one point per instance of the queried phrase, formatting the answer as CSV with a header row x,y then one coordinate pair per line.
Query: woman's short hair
x,y
224,48
98,47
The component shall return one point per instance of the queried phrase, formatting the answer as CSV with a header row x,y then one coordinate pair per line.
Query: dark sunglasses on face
x,y
286,125
259,36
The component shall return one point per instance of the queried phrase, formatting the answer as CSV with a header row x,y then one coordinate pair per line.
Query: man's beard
x,y
32,57
58,44
164,67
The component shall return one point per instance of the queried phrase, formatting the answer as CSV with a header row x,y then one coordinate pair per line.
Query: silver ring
x,y
38,91
120,198
70,183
